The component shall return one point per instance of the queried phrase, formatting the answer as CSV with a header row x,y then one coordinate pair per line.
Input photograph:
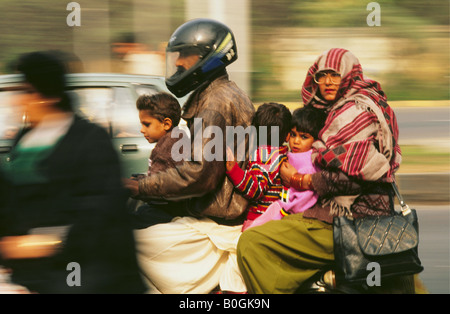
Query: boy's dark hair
x,y
161,105
308,120
273,114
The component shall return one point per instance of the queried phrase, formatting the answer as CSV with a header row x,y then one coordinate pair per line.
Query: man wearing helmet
x,y
193,252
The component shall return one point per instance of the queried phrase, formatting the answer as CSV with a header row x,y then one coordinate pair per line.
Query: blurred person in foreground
x,y
358,155
193,252
61,196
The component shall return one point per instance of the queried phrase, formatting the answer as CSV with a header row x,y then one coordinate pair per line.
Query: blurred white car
x,y
104,98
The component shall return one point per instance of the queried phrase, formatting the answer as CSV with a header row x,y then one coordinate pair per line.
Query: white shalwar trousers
x,y
189,255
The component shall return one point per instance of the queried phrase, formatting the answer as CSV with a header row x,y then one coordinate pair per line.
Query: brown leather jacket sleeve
x,y
195,177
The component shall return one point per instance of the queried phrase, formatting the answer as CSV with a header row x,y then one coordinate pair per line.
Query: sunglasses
x,y
321,77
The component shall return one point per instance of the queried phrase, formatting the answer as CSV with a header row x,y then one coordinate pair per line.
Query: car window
x,y
114,108
125,116
146,90
94,103
10,114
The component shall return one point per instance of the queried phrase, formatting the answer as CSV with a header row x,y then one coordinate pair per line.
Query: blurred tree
x,y
32,25
41,25
435,11
416,27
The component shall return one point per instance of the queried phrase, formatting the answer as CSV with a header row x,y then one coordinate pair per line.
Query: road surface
x,y
434,246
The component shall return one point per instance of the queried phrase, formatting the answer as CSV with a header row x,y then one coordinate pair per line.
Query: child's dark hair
x,y
161,105
273,114
308,120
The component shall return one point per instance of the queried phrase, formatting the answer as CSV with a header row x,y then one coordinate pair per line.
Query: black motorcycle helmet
x,y
211,47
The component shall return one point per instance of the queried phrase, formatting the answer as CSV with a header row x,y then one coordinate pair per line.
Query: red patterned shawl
x,y
360,136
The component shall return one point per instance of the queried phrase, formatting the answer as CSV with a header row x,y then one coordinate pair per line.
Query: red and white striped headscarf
x,y
360,136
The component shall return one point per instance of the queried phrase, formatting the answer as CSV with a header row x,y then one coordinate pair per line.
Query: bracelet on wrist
x,y
301,181
296,181
309,183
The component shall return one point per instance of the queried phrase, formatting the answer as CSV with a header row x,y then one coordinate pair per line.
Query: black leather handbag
x,y
390,241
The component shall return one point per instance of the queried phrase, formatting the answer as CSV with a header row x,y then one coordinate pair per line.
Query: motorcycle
x,y
325,282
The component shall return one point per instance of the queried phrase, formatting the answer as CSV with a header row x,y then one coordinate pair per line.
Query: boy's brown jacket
x,y
204,183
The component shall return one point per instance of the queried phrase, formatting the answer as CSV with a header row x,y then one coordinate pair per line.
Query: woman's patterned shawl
x,y
360,136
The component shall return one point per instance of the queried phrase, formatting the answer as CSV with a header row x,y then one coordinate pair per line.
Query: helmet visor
x,y
180,61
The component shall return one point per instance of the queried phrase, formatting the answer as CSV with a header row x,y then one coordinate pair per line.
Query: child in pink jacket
x,y
306,125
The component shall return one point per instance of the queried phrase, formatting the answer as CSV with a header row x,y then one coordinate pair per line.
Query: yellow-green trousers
x,y
279,256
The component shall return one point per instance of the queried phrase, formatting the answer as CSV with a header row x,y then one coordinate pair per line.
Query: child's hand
x,y
230,162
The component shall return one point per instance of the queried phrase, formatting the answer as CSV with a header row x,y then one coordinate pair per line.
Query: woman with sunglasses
x,y
358,154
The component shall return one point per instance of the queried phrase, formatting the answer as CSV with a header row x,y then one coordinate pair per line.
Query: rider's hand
x,y
286,172
132,185
230,160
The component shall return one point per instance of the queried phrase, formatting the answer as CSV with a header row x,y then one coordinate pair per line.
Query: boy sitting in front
x,y
159,114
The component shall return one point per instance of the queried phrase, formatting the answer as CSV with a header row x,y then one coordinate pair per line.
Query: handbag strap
x,y
405,208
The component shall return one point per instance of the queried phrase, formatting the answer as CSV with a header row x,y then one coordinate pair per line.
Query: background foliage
x,y
41,24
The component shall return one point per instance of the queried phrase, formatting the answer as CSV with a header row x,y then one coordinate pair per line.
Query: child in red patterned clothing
x,y
260,182
306,125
